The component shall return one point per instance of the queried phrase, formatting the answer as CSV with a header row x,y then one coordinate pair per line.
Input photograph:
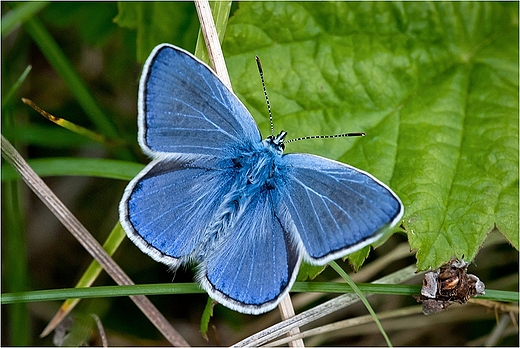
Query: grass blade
x,y
19,15
71,126
362,297
16,261
71,166
16,85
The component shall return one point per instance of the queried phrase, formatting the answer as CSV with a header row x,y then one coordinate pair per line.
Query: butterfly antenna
x,y
344,135
261,71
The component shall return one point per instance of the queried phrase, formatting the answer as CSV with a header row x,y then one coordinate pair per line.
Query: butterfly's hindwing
x,y
255,264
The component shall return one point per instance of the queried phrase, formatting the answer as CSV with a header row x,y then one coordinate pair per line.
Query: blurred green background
x,y
38,253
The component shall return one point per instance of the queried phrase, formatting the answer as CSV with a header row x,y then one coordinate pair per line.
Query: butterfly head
x,y
276,142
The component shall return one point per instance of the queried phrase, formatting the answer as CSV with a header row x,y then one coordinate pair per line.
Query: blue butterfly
x,y
218,195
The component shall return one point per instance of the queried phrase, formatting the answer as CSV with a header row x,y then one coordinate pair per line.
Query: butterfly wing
x,y
166,208
335,209
190,121
185,108
252,268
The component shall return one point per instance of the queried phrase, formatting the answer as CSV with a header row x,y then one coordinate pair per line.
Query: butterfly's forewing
x,y
184,108
256,263
186,116
167,207
334,208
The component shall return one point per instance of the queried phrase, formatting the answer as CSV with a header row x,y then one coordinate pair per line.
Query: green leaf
x,y
434,86
158,22
356,259
308,271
